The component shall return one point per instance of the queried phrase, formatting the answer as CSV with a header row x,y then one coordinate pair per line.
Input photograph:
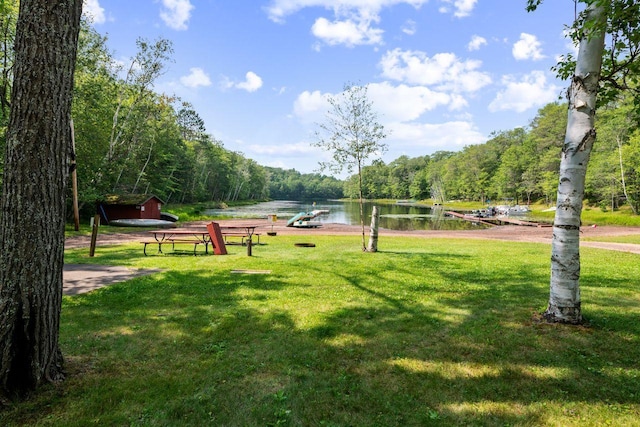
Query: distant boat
x,y
304,220
482,213
513,210
168,216
307,224
142,222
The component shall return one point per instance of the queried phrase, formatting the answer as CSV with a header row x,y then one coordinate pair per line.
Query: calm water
x,y
392,216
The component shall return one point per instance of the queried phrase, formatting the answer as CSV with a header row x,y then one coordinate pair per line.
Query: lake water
x,y
392,216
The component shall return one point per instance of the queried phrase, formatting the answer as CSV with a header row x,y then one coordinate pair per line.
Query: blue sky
x,y
442,74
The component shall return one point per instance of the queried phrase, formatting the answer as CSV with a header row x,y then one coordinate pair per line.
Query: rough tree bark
x,y
564,299
32,215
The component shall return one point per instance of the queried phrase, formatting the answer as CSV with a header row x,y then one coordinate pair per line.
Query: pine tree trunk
x,y
33,194
564,299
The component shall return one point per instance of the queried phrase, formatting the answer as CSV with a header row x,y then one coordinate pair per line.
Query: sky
x,y
441,74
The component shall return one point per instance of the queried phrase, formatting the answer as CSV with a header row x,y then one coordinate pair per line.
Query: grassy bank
x,y
425,332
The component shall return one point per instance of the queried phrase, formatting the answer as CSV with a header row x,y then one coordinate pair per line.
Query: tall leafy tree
x,y
132,107
352,134
33,194
597,71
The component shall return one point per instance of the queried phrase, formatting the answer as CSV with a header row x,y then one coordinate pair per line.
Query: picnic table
x,y
246,231
194,236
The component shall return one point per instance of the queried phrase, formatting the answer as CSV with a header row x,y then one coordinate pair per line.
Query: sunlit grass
x,y
635,239
424,332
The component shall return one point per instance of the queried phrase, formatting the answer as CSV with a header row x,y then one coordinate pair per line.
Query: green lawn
x,y
635,239
425,332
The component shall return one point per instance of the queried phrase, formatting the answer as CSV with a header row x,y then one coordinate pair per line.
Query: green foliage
x,y
130,139
519,164
425,332
351,132
621,58
292,185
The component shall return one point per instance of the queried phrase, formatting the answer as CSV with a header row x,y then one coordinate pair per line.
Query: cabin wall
x,y
149,210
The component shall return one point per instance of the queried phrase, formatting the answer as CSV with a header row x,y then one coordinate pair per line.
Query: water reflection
x,y
392,216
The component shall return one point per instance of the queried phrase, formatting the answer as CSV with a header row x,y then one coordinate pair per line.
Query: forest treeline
x,y
131,139
519,165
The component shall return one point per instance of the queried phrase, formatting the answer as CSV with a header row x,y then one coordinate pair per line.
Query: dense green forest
x,y
519,165
130,139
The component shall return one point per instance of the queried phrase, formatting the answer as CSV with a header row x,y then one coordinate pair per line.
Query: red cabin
x,y
132,206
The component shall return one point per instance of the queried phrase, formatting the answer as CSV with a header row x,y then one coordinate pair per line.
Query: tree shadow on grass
x,y
454,346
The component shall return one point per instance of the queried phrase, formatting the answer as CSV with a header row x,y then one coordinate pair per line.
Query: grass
x,y
635,239
425,332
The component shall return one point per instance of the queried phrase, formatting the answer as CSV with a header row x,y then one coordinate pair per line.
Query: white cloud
x,y
298,149
404,103
400,103
409,27
196,78
445,71
352,23
176,13
252,83
461,8
528,47
93,9
347,32
531,91
476,43
440,136
279,9
310,107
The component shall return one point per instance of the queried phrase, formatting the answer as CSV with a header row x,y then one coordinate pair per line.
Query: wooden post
x,y
94,234
74,180
373,234
249,243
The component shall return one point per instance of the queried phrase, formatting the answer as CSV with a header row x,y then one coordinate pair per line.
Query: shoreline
x,y
502,232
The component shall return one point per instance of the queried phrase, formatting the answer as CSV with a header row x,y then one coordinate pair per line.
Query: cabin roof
x,y
128,199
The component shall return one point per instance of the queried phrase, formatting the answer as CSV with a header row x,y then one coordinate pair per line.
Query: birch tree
x,y
32,218
598,72
352,134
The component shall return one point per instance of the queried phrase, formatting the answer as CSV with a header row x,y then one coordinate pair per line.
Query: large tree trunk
x,y
564,299
33,194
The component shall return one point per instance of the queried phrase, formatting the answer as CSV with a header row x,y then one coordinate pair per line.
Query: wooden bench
x,y
242,236
173,243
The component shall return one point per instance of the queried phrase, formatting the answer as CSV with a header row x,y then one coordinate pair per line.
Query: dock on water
x,y
497,220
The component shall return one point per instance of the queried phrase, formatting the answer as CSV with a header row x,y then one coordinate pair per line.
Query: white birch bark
x,y
373,232
564,299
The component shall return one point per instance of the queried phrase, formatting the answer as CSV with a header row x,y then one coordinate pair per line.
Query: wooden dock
x,y
497,220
